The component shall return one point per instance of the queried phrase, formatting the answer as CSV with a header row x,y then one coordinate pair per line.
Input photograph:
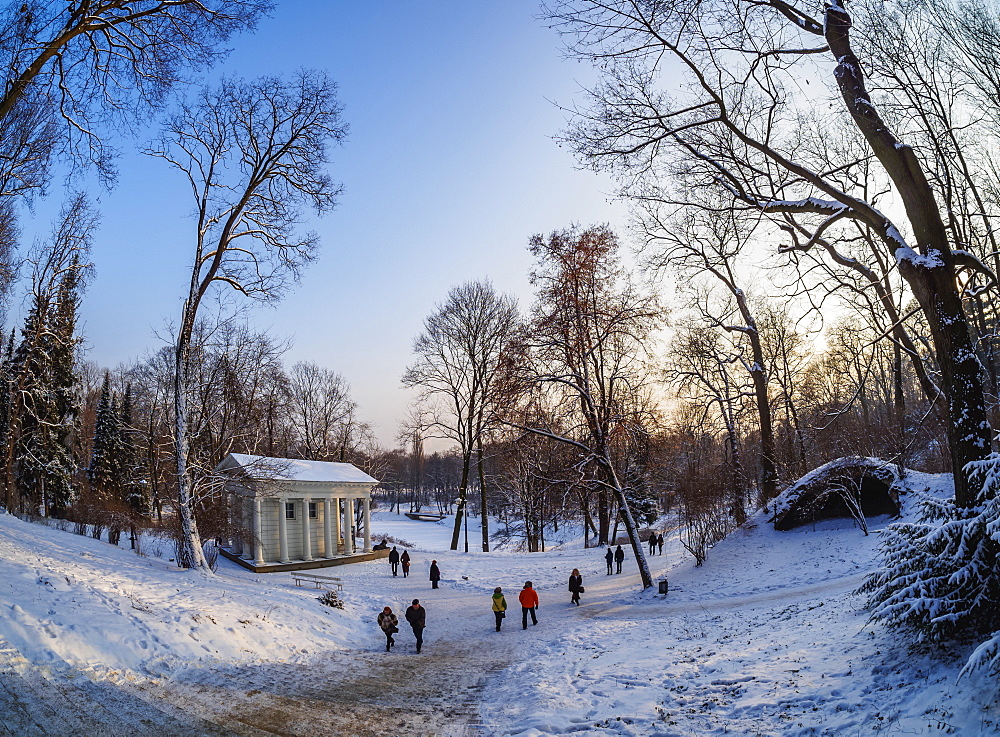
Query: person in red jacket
x,y
529,603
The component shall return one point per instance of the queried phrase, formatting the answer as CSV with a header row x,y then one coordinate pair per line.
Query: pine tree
x,y
29,408
941,575
46,461
101,472
132,488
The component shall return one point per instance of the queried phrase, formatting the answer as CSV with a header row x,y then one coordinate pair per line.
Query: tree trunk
x,y
463,489
190,551
931,275
484,513
603,517
630,526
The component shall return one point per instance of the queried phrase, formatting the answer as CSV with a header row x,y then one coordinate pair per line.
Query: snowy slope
x,y
766,638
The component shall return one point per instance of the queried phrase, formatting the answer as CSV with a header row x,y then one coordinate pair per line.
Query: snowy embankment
x,y
86,603
767,638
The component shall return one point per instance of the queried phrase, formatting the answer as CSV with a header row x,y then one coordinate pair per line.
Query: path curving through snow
x,y
767,638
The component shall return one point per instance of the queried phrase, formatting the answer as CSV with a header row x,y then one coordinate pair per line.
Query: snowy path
x,y
767,638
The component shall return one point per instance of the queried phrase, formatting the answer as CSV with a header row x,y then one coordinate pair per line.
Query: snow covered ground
x,y
766,638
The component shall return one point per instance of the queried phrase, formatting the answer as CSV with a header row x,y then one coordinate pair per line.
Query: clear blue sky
x,y
449,168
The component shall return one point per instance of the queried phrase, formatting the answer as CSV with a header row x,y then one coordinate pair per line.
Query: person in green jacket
x,y
499,606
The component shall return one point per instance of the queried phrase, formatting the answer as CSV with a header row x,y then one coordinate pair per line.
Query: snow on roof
x,y
293,469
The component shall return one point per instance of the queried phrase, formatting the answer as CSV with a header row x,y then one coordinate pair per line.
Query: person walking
x,y
529,604
404,561
576,586
389,625
394,560
499,606
619,558
435,574
416,615
609,557
652,543
659,542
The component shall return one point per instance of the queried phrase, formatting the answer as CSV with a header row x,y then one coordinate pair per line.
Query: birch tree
x,y
254,155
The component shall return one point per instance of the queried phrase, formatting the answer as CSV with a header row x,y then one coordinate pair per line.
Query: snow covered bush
x,y
331,599
940,575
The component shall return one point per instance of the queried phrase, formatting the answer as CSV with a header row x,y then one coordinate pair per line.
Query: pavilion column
x,y
327,529
248,526
338,544
366,514
258,544
306,537
282,531
236,522
348,521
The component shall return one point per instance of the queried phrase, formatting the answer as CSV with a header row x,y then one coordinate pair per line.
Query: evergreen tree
x,y
39,461
29,408
46,461
133,490
101,472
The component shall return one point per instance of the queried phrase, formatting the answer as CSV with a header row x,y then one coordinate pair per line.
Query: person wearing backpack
x,y
499,606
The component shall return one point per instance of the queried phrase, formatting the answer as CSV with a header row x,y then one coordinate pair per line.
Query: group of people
x,y
416,615
617,557
655,541
528,599
396,560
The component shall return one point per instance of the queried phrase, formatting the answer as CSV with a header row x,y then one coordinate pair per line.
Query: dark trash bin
x,y
664,586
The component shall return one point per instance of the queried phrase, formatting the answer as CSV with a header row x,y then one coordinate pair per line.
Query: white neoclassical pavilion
x,y
296,514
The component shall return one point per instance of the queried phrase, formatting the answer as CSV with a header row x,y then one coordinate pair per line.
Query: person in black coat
x,y
576,586
659,542
394,560
435,574
609,557
652,543
416,615
619,558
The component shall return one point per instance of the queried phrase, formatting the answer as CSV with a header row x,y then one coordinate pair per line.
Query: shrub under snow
x,y
940,574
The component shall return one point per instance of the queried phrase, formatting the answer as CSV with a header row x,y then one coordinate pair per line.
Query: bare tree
x,y
320,408
714,244
735,126
81,64
254,154
459,356
701,367
589,332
